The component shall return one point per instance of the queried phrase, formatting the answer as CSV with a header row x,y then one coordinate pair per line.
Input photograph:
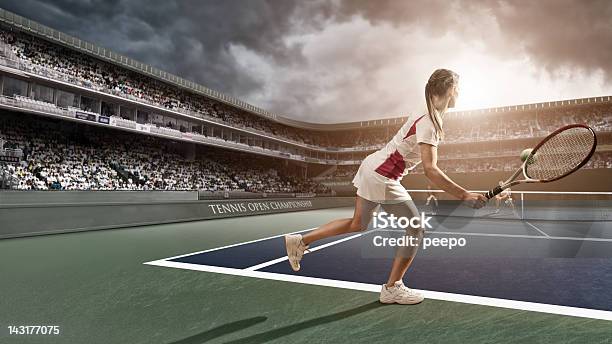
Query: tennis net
x,y
528,205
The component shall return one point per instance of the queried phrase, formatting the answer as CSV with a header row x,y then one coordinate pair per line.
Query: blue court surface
x,y
559,267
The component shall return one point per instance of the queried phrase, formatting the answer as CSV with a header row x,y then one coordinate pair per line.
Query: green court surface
x,y
95,286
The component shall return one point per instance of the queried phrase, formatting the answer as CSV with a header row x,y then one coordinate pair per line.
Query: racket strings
x,y
561,154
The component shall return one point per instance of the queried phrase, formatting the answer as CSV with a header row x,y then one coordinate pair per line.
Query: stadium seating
x,y
57,62
57,158
62,156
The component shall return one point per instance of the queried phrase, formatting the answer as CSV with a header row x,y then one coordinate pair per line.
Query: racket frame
x,y
511,181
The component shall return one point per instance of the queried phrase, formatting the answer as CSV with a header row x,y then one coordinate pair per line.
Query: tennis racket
x,y
560,154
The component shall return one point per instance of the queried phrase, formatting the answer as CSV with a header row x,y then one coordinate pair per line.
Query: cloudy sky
x,y
345,60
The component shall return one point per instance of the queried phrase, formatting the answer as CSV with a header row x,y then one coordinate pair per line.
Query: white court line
x,y
238,244
509,235
278,260
469,299
537,229
524,236
527,192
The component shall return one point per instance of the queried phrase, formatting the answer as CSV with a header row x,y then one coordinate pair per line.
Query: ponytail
x,y
438,84
434,114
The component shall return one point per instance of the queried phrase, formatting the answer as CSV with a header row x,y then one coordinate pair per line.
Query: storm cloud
x,y
339,60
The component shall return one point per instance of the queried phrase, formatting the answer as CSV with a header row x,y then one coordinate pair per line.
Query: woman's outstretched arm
x,y
429,159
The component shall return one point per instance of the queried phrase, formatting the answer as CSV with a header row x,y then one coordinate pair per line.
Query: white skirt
x,y
377,188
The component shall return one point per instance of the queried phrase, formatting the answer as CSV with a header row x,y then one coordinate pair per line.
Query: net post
x,y
522,206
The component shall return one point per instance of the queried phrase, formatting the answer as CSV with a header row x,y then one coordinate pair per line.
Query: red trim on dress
x,y
412,129
393,167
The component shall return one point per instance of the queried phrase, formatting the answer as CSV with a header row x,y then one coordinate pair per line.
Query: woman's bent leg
x,y
360,220
297,244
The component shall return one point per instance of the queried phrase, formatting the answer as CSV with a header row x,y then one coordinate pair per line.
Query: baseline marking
x,y
238,244
469,299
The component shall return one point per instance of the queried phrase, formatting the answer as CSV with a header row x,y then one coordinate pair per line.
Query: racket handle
x,y
493,192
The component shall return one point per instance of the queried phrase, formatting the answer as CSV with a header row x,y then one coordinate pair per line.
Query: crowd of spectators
x,y
53,60
49,59
598,160
62,155
475,165
57,156
490,127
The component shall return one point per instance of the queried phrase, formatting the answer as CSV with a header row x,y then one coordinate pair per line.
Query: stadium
x,y
133,201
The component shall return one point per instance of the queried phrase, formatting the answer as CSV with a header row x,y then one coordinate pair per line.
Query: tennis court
x,y
516,280
537,254
227,281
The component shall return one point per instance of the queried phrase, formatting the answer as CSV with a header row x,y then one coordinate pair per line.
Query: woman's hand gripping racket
x,y
560,154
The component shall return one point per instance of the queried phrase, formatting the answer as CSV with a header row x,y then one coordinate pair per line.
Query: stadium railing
x,y
202,194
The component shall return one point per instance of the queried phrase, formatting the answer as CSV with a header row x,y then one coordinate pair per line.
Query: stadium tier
x,y
60,155
74,117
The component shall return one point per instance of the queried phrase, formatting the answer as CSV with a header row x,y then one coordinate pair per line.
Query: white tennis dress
x,y
378,178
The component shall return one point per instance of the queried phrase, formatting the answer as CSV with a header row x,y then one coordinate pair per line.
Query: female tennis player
x,y
378,183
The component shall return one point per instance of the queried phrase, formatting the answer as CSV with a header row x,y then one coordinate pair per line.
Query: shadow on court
x,y
221,331
290,329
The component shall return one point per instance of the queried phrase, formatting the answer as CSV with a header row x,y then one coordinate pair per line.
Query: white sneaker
x,y
401,294
295,250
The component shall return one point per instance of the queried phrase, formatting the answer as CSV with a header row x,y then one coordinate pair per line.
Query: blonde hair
x,y
440,81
